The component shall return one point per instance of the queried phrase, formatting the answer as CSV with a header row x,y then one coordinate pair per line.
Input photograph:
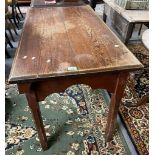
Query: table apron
x,y
59,84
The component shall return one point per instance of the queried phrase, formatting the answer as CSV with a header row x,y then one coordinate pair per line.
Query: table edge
x,y
33,78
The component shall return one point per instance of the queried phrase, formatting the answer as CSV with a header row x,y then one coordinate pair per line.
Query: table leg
x,y
142,101
141,25
129,32
93,4
34,106
104,15
114,105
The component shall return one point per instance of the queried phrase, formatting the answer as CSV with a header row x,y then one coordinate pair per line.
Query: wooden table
x,y
41,3
123,21
145,38
24,1
62,46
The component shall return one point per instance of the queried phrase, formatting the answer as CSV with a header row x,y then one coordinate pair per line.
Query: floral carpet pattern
x,y
136,118
74,122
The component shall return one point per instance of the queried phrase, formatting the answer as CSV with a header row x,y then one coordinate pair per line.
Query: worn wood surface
x,y
55,39
43,3
24,1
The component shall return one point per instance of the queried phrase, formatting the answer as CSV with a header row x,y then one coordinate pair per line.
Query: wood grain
x,y
24,1
56,38
42,3
60,84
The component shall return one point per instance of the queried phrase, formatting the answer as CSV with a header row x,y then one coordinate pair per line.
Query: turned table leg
x,y
114,105
34,106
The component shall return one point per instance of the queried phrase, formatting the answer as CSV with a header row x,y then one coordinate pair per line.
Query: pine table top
x,y
63,41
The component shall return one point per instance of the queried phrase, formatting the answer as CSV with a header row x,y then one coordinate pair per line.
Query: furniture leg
x,y
14,16
34,106
7,53
129,32
10,44
114,105
142,101
9,29
147,24
17,17
14,19
13,26
19,10
104,15
140,29
93,4
11,34
8,40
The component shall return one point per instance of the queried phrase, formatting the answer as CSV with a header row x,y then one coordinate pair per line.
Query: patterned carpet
x,y
135,118
74,120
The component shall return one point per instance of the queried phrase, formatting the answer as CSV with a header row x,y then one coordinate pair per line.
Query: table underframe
x,y
36,91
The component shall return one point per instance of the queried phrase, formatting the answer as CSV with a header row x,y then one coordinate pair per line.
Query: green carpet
x,y
74,120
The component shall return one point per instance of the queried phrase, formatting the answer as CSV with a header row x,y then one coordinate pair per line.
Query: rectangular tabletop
x,y
42,3
129,15
63,41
